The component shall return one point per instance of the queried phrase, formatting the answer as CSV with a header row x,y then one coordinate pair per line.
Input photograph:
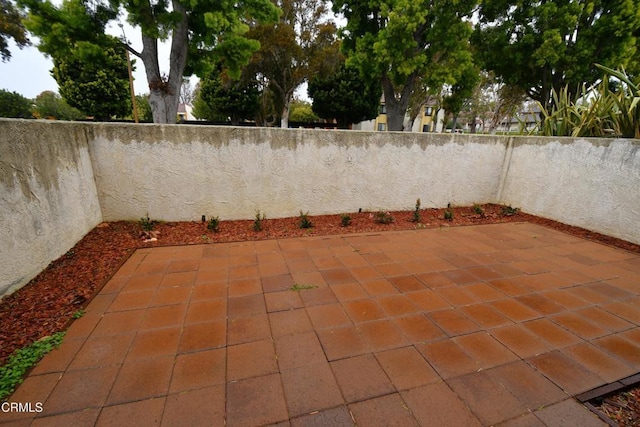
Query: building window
x,y
382,126
383,109
428,111
426,128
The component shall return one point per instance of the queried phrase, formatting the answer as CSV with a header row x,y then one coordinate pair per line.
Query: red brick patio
x,y
463,326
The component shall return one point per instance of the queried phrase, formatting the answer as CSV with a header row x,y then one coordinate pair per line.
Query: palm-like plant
x,y
596,111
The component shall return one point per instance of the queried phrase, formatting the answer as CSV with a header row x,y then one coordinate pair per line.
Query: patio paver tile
x,y
485,349
145,412
555,335
205,406
406,368
382,335
361,378
481,393
598,361
338,416
437,405
328,316
255,401
339,343
568,412
381,410
419,329
310,388
297,350
566,373
198,370
142,379
453,322
447,358
528,385
251,359
241,330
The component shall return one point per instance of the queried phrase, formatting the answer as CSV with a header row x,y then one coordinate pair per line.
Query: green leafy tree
x,y
89,66
201,109
11,27
144,109
95,79
198,32
229,98
14,105
543,45
345,97
301,111
404,43
461,93
292,49
50,105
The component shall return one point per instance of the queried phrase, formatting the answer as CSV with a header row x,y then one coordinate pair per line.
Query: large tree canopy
x,y
201,33
299,45
401,42
11,27
90,66
14,105
345,97
543,45
229,98
198,31
95,80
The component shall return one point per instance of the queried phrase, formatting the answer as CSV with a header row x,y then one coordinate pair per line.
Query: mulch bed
x,y
46,305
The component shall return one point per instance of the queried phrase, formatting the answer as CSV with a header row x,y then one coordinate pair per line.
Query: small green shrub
x,y
345,220
147,223
448,214
78,314
257,222
509,211
477,209
382,217
305,222
416,213
214,223
11,374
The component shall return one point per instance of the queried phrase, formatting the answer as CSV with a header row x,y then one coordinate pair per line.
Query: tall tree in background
x,y
14,105
95,79
89,65
401,42
460,94
11,27
292,49
201,32
229,98
198,31
345,97
542,45
50,105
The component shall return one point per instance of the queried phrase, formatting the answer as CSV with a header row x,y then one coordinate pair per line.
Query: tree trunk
x,y
164,92
397,105
284,121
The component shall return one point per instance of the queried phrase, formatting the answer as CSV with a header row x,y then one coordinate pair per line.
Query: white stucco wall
x,y
59,180
590,183
48,199
178,173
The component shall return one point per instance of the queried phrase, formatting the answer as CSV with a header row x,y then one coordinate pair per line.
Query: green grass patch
x,y
298,287
12,374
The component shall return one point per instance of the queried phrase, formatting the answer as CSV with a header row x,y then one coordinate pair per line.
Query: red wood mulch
x,y
46,305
